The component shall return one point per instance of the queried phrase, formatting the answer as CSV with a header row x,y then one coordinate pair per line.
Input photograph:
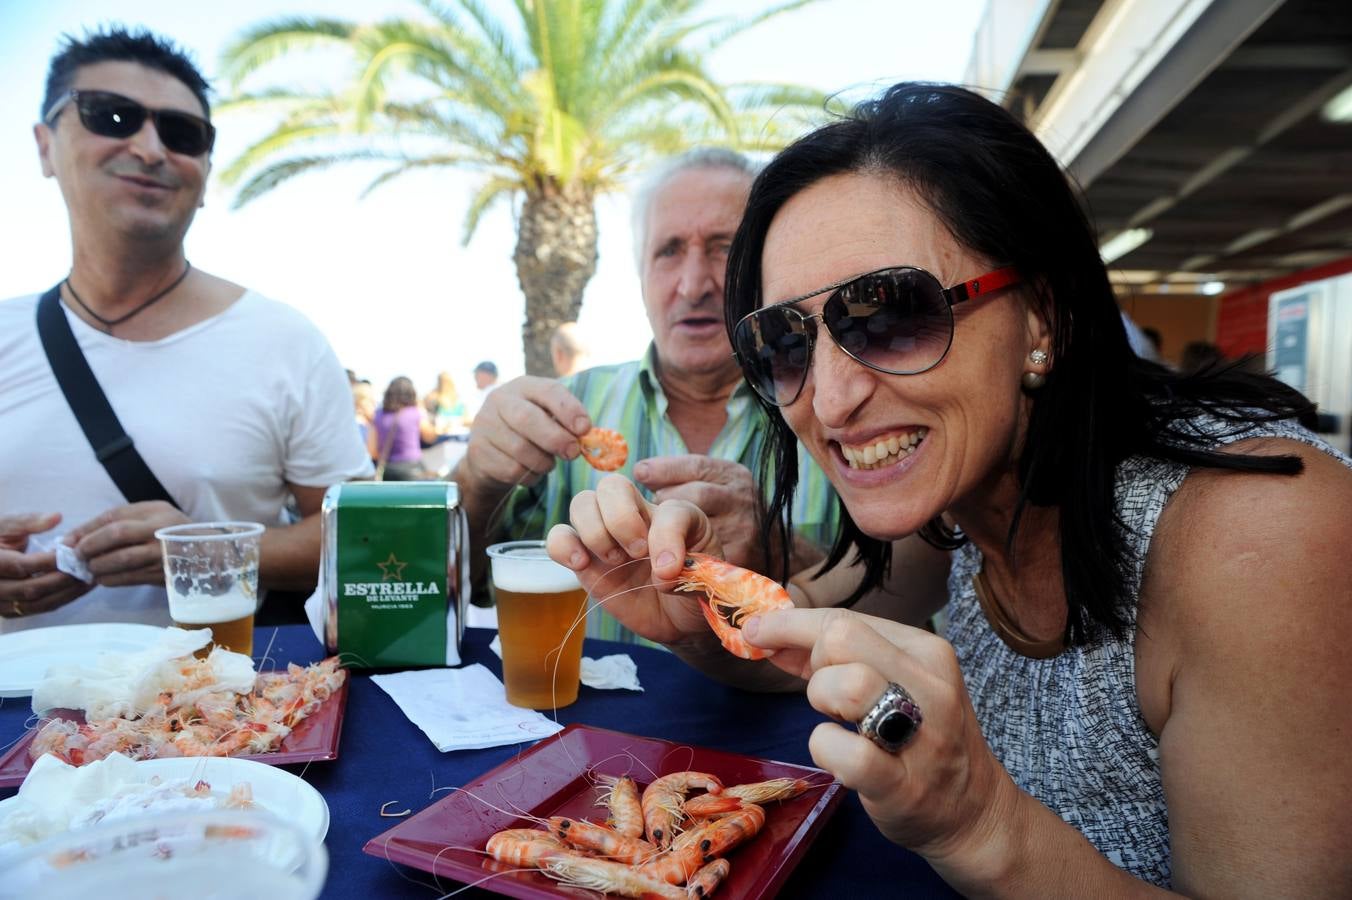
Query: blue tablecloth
x,y
384,757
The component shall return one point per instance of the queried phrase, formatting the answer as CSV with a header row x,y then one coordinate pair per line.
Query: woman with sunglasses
x,y
1143,678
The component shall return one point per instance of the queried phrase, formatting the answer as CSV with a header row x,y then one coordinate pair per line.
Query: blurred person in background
x,y
1199,356
444,406
1140,342
486,376
567,350
1156,341
401,429
485,381
226,402
364,412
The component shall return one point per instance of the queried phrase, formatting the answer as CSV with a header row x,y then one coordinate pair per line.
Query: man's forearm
x,y
289,557
480,505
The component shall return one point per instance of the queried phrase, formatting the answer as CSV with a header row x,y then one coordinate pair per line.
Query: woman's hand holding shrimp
x,y
627,553
944,794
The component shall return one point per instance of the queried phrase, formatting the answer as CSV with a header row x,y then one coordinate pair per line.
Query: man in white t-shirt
x,y
233,400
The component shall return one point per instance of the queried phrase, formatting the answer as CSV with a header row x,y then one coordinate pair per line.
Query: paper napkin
x,y
68,559
614,672
463,709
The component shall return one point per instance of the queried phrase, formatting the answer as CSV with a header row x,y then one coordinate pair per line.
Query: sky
x,y
385,277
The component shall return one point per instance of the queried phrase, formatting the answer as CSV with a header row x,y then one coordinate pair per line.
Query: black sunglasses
x,y
897,320
115,116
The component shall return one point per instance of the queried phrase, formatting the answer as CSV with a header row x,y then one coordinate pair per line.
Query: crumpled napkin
x,y
614,672
68,559
127,684
463,709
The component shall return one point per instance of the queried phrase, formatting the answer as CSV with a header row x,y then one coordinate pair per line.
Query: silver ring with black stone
x,y
893,720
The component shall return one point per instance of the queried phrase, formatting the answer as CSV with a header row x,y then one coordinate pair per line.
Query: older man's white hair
x,y
699,158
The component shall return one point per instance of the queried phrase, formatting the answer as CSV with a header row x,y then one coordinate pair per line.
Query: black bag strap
x,y
112,445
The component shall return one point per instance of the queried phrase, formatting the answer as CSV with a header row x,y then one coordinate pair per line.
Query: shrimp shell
x,y
604,449
734,594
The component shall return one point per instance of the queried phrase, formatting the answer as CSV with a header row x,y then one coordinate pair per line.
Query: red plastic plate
x,y
315,739
557,777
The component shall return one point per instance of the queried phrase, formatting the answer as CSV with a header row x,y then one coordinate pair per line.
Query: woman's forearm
x,y
1028,851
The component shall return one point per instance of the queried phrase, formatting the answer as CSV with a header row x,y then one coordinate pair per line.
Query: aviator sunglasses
x,y
897,320
115,116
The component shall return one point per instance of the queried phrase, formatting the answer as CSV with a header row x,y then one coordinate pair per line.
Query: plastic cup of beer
x,y
540,620
211,574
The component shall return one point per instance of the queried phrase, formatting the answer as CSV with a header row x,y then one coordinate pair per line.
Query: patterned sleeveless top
x,y
1069,729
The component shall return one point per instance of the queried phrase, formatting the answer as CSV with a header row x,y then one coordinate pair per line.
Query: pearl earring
x,y
1034,380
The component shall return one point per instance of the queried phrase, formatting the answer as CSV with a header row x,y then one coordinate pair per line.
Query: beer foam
x,y
528,573
196,608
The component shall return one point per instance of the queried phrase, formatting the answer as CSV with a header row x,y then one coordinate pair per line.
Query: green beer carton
x,y
395,573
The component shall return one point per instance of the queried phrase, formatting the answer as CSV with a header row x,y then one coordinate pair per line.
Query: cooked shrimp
x,y
606,450
677,864
721,835
757,792
598,838
528,847
703,882
608,877
734,594
621,798
706,806
663,799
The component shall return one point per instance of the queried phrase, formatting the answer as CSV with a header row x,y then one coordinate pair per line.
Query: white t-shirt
x,y
225,413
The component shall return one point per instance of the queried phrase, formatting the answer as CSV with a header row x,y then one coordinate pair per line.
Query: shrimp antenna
x,y
495,517
516,812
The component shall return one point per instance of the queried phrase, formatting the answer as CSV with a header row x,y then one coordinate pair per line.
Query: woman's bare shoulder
x,y
1243,662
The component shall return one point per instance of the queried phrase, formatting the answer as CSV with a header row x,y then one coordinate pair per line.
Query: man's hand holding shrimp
x,y
628,552
943,794
523,426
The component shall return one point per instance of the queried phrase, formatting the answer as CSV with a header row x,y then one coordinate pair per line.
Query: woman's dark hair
x,y
399,394
1002,195
119,45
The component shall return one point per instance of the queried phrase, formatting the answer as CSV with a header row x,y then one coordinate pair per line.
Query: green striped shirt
x,y
628,398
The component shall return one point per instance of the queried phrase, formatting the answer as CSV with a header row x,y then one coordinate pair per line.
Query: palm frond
x,y
488,194
279,172
742,25
281,139
256,47
283,99
413,165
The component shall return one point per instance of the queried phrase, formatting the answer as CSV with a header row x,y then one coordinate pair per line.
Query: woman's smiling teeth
x,y
884,451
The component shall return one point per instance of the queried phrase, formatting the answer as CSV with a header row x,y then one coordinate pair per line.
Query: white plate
x,y
26,655
275,791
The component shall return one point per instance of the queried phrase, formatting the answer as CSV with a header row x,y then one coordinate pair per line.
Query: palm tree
x,y
551,110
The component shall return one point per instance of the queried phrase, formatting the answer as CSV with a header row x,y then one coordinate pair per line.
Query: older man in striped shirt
x,y
694,431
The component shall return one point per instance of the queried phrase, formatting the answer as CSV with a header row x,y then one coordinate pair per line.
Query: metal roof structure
x,y
1203,130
